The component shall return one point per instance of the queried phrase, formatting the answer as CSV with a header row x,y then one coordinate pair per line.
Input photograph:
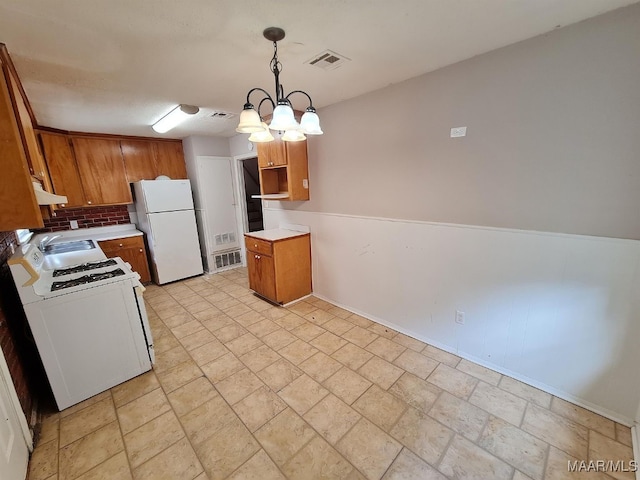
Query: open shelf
x,y
272,196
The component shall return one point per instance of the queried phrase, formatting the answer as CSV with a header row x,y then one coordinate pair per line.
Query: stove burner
x,y
84,267
92,277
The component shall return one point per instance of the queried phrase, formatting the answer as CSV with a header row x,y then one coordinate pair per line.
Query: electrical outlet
x,y
73,224
458,132
459,317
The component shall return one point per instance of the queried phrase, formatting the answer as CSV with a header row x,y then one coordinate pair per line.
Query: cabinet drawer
x,y
258,246
121,243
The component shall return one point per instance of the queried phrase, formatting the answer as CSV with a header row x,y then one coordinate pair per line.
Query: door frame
x,y
242,216
5,376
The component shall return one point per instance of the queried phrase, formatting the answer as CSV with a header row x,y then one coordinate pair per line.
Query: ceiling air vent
x,y
328,60
222,115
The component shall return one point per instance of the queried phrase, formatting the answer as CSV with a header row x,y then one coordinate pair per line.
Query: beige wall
x,y
553,139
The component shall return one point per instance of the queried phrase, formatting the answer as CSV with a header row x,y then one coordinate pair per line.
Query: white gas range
x,y
88,320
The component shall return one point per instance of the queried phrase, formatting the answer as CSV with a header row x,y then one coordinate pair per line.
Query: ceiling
x,y
117,66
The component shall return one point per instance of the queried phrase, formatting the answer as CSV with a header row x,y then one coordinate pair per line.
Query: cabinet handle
x,y
120,245
140,250
88,202
255,245
63,204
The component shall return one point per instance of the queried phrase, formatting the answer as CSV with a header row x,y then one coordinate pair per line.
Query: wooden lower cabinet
x,y
132,251
279,269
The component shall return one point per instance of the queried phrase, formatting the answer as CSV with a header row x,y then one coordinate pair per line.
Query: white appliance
x,y
88,321
165,214
216,211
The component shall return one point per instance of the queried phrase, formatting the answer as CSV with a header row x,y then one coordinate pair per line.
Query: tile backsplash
x,y
87,217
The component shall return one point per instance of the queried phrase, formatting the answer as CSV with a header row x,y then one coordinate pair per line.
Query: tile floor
x,y
246,390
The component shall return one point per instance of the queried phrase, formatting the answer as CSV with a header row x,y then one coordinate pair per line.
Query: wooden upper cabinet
x,y
63,169
272,154
18,205
170,160
102,172
284,170
37,165
139,160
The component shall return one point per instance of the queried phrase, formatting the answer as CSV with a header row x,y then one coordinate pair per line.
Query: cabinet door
x,y
139,160
261,275
102,171
298,171
132,251
137,258
37,165
63,169
272,154
170,160
18,206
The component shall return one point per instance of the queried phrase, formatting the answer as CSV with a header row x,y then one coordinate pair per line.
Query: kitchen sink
x,y
66,247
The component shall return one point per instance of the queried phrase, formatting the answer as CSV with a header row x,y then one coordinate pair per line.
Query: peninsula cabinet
x,y
102,172
279,264
284,170
132,251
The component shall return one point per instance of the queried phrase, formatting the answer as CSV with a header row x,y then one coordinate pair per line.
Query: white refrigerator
x,y
165,213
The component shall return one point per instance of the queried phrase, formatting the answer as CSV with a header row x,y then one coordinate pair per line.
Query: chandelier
x,y
282,119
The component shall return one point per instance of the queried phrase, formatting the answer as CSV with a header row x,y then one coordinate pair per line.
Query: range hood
x,y
46,198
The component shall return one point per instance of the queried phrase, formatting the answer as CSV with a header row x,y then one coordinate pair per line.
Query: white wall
x,y
552,141
239,145
552,146
200,145
557,311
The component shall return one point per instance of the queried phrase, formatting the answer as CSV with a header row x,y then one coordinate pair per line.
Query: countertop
x,y
98,233
275,234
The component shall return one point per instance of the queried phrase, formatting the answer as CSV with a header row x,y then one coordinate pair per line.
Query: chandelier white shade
x,y
249,122
176,116
293,136
310,123
283,118
264,135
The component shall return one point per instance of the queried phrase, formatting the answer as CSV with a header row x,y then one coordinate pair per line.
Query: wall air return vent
x,y
328,60
224,238
224,261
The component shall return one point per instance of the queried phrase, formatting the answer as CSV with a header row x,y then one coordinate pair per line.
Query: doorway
x,y
253,206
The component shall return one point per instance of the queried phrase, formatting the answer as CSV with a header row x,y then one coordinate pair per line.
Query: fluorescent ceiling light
x,y
174,117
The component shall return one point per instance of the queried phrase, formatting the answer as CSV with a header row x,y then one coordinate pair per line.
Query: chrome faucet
x,y
46,240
